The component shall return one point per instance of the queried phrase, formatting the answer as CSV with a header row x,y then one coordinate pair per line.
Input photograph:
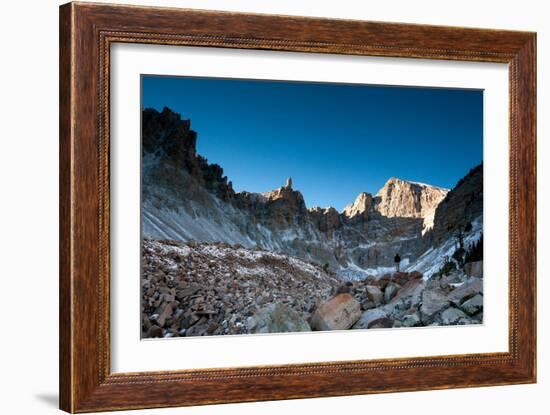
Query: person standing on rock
x,y
397,260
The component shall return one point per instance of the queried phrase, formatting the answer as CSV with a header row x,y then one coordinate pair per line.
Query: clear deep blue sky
x,y
334,140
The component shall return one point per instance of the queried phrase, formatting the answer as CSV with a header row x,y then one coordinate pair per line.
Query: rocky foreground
x,y
197,289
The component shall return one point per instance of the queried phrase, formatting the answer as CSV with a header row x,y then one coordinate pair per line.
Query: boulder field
x,y
192,289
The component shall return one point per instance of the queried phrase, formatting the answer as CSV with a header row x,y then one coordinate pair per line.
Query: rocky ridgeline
x,y
192,289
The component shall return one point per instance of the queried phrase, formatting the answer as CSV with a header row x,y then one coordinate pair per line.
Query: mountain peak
x,y
404,198
361,205
393,181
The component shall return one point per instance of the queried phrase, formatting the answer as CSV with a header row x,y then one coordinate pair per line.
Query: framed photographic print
x,y
260,207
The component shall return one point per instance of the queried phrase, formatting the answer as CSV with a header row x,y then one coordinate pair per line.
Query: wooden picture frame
x,y
86,33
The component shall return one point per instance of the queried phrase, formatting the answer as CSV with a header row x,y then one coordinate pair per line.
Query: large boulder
x,y
433,301
410,294
339,313
276,318
474,269
467,290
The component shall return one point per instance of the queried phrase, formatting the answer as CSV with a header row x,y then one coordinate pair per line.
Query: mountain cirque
x,y
216,261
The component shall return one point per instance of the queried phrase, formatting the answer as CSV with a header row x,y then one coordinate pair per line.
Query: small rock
x,y
167,298
189,291
212,327
145,322
206,312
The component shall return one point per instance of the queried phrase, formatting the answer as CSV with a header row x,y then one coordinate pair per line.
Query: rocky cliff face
x,y
400,198
186,198
461,206
359,208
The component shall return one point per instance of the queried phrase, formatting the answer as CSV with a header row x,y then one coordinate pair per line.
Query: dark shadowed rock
x,y
474,269
381,323
154,331
460,206
370,318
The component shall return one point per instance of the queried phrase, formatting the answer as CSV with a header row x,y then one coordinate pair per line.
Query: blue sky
x,y
334,140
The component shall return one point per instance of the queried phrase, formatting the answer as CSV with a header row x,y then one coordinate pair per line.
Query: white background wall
x,y
28,207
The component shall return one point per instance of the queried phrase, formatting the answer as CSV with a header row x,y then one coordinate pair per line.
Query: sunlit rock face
x,y
404,199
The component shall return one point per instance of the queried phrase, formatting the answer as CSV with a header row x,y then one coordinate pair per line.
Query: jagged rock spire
x,y
288,184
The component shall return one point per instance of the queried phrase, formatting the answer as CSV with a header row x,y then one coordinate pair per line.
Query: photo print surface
x,y
275,206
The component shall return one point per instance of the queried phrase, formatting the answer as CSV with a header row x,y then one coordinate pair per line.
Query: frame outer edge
x,y
82,389
527,121
66,121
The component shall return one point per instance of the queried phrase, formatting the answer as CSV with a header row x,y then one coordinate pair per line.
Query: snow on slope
x,y
183,226
433,259
353,272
